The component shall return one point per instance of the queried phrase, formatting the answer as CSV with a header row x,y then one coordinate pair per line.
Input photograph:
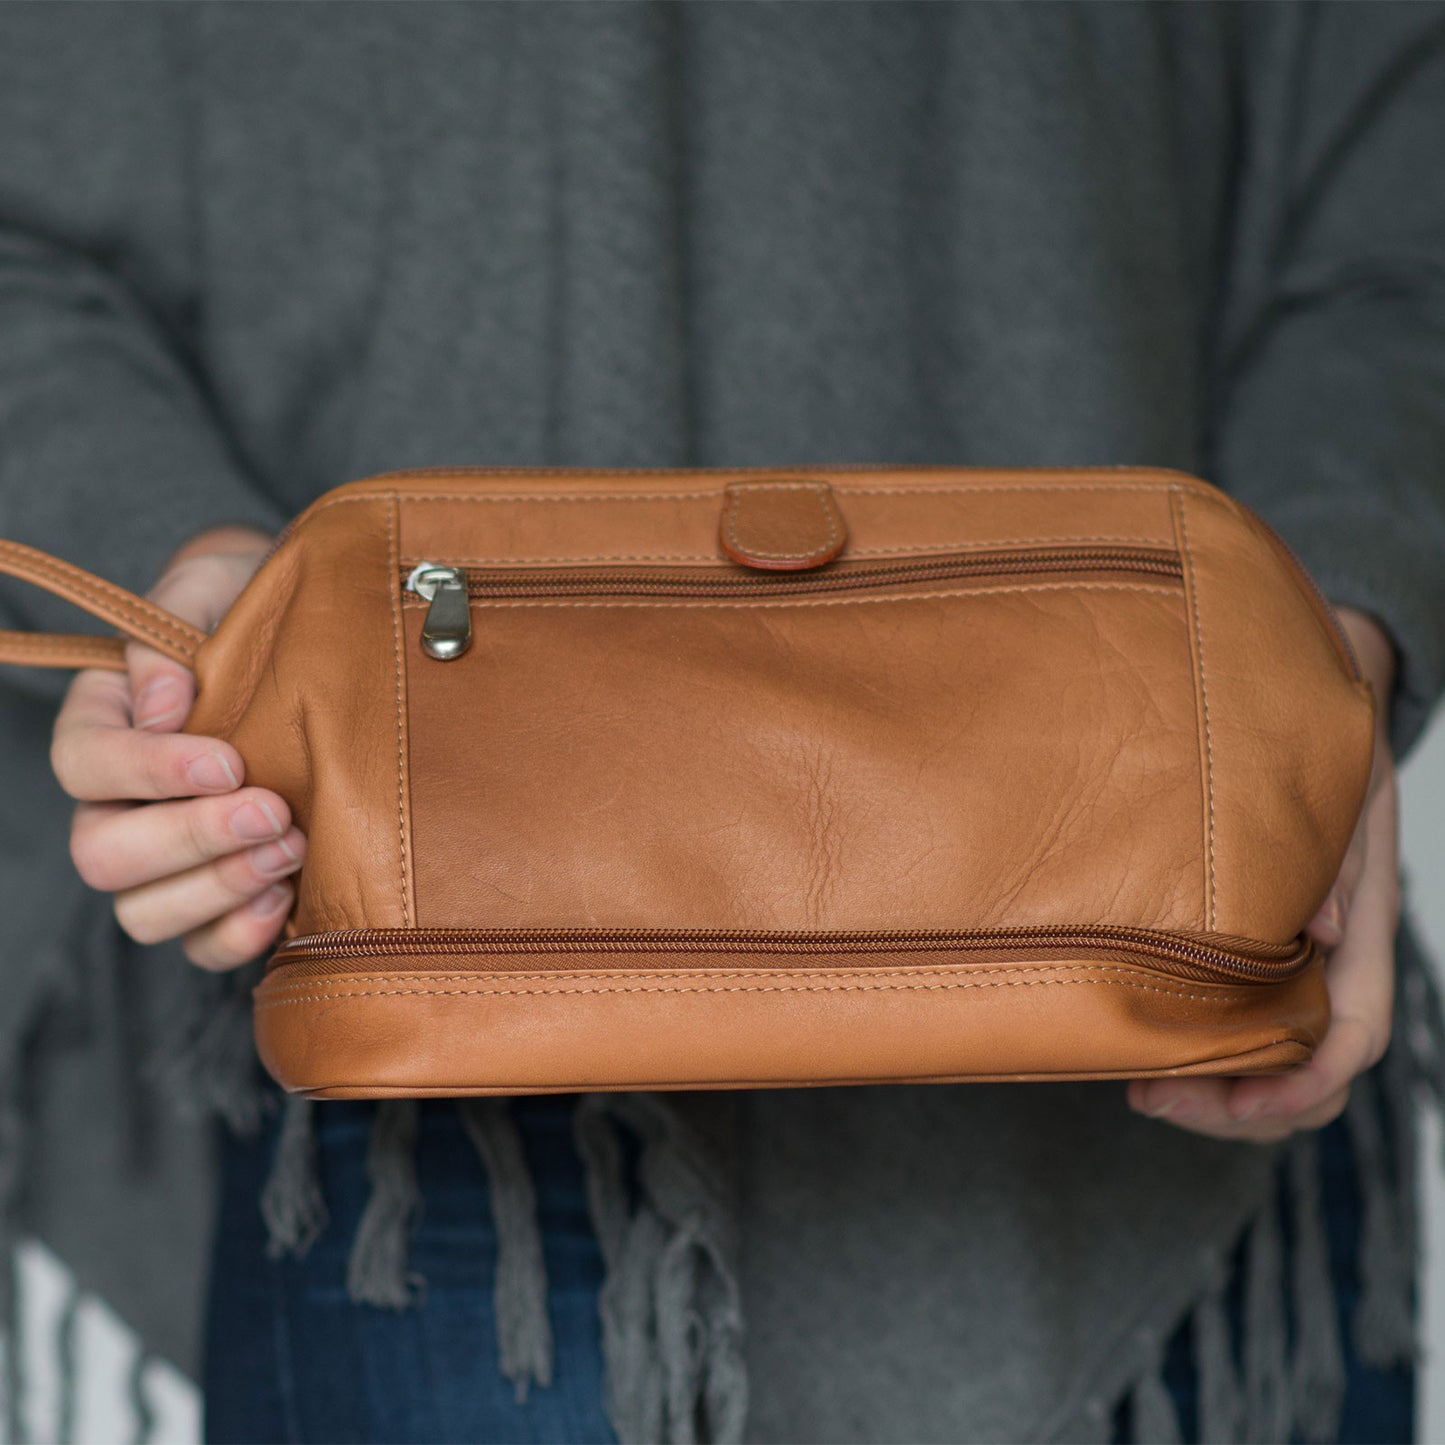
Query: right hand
x,y
163,821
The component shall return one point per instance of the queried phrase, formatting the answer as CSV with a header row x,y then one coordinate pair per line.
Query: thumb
x,y
162,690
201,581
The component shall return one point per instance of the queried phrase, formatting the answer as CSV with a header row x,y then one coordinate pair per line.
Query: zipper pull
x,y
447,631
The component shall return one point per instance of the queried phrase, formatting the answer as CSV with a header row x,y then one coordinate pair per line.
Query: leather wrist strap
x,y
124,610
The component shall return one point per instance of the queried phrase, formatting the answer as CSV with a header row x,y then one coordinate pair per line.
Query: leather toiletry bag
x,y
712,779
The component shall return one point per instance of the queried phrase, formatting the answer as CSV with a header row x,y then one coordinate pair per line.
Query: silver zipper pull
x,y
447,631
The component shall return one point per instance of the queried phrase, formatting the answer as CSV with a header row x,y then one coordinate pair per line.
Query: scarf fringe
x,y
67,1366
1317,1368
1294,1369
292,1203
1152,1407
1267,1398
1383,1327
1221,1393
143,1414
12,1153
376,1273
671,1316
672,1323
524,1334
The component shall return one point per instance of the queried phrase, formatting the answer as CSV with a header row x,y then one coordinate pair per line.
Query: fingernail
x,y
255,820
1250,1112
1160,1110
270,900
213,772
157,701
273,858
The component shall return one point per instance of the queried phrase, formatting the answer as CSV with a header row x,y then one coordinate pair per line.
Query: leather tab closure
x,y
782,526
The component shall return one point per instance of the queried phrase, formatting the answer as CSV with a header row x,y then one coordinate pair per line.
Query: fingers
x,y
1327,927
242,933
1360,973
97,754
1270,1108
162,690
122,845
181,902
162,821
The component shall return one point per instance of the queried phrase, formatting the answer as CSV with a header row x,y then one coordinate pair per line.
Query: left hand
x,y
1356,928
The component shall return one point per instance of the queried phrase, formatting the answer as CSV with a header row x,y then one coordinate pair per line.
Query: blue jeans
x,y
290,1358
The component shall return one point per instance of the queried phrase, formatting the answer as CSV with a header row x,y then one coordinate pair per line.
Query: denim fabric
x,y
290,1358
1379,1405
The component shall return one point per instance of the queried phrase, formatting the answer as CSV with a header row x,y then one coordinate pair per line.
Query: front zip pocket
x,y
1199,958
449,590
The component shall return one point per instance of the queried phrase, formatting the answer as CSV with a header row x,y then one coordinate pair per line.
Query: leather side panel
x,y
1288,732
305,676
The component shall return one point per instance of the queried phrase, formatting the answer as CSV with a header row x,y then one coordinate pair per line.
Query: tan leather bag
x,y
625,780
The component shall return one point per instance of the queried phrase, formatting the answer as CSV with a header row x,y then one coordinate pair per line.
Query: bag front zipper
x,y
449,590
1179,954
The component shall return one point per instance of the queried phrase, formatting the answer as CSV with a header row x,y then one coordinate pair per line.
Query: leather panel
x,y
306,676
522,519
875,761
451,1030
1289,734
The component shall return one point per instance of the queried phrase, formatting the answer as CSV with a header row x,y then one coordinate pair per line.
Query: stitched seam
x,y
978,543
713,495
168,641
62,655
1211,910
74,641
391,554
735,505
751,602
942,971
846,468
973,544
731,988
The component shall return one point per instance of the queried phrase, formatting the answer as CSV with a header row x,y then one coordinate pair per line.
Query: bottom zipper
x,y
1210,958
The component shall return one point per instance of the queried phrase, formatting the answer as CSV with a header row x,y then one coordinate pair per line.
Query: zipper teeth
x,y
363,942
662,582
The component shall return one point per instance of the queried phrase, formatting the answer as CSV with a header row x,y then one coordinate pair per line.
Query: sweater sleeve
x,y
112,452
1330,383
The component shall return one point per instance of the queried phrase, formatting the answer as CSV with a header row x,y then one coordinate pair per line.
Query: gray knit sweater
x,y
250,252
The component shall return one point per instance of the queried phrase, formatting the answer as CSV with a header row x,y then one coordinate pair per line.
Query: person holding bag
x,y
738,280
